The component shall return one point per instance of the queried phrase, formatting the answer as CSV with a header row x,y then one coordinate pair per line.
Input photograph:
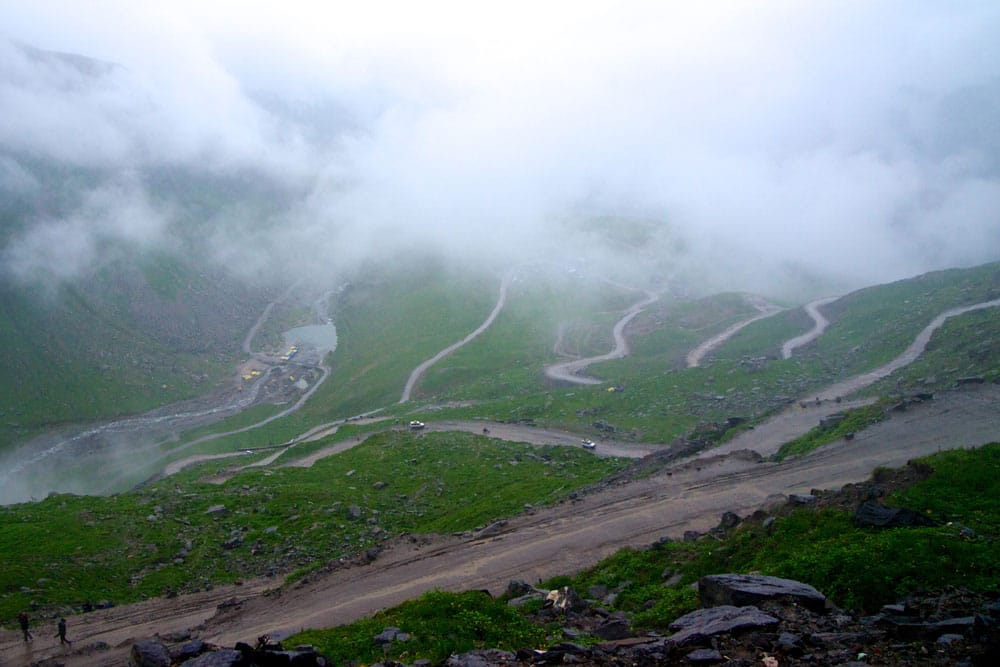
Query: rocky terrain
x,y
742,620
745,620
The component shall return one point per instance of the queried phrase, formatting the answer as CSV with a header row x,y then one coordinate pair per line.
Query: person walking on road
x,y
61,634
22,620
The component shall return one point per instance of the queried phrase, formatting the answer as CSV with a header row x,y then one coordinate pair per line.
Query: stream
x,y
111,457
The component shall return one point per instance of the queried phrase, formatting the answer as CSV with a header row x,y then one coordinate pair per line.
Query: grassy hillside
x,y
390,324
858,568
140,327
90,353
745,377
67,549
162,538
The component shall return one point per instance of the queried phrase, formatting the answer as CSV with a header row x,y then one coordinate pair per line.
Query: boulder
x,y
386,636
233,542
872,514
284,659
832,421
226,657
704,656
914,630
517,587
482,658
597,591
149,653
740,590
190,650
701,624
789,642
614,628
729,521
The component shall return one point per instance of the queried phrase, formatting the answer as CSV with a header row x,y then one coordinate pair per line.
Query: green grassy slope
x,y
858,568
68,549
140,329
85,354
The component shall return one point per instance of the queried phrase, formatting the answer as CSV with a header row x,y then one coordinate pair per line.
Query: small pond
x,y
323,337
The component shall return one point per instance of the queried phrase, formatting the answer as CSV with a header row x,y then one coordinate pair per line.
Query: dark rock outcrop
x,y
226,657
872,514
699,625
149,653
740,590
613,628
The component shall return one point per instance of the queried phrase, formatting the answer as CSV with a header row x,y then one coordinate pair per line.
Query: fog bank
x,y
771,143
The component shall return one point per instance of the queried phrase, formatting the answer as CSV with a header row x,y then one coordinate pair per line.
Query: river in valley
x,y
113,456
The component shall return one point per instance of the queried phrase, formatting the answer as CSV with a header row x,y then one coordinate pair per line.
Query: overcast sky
x,y
858,139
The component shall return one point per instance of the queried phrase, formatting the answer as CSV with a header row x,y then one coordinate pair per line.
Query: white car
x,y
588,444
415,425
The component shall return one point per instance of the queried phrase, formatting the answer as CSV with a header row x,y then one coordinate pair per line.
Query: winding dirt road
x,y
820,323
566,371
415,376
764,308
560,539
565,538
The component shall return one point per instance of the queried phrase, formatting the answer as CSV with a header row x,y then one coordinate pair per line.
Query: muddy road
x,y
418,372
568,371
565,538
764,309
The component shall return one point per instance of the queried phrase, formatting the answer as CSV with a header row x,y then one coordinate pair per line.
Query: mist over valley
x,y
385,279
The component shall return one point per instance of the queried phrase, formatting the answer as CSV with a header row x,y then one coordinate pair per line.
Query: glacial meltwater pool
x,y
323,337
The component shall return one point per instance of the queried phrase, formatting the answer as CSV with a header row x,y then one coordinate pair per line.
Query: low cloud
x,y
112,220
855,142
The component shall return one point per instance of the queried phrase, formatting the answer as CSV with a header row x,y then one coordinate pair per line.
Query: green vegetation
x,y
877,323
67,549
81,360
964,346
438,624
864,568
858,568
853,421
638,575
542,312
142,328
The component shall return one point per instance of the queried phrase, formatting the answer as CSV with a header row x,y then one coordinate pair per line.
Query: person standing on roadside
x,y
22,620
61,634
